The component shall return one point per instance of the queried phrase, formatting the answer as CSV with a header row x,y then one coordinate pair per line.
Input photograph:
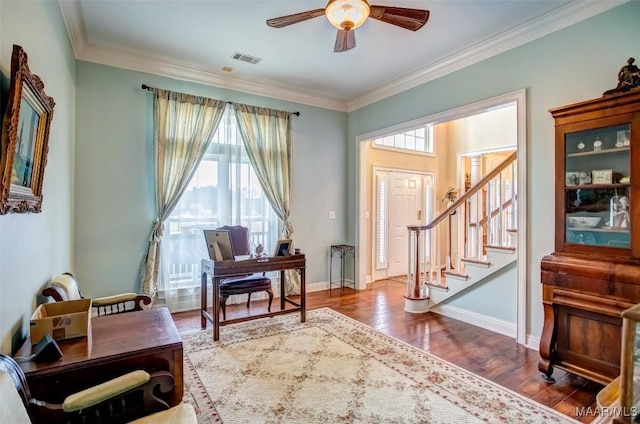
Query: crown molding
x,y
82,50
140,63
72,17
552,21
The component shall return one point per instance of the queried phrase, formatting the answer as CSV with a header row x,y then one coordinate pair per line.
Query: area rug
x,y
333,369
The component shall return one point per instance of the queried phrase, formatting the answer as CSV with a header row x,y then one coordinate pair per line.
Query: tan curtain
x,y
183,126
266,134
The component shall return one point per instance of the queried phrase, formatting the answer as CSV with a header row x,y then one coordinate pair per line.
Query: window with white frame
x,y
382,223
429,208
223,191
420,140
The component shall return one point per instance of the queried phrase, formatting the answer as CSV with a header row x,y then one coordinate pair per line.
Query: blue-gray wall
x,y
571,65
36,247
114,197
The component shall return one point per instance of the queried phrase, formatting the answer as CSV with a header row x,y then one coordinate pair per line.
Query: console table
x,y
116,344
219,270
343,250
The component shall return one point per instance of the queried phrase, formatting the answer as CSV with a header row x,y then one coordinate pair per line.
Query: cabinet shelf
x,y
599,230
600,152
597,186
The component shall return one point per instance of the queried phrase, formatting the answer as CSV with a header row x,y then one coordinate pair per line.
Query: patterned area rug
x,y
333,369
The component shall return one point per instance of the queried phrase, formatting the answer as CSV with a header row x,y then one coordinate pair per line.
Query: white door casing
x,y
361,159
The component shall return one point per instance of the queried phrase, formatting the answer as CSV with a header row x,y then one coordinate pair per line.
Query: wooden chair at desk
x,y
65,287
242,284
128,397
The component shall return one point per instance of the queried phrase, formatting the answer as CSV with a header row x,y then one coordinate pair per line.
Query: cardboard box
x,y
61,320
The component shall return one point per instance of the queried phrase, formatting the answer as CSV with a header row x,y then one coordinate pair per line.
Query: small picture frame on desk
x,y
283,248
601,176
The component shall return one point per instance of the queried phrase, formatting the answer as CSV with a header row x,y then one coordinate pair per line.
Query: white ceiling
x,y
194,40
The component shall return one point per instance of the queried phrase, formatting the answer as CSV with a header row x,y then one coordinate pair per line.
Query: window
x,y
419,140
429,208
223,191
382,221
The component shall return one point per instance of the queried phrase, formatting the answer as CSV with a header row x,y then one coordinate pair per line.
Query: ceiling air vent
x,y
246,58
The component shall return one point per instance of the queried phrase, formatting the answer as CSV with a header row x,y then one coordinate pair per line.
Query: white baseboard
x,y
488,323
317,286
532,342
479,320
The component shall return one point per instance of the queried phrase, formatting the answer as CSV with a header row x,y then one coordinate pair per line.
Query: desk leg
x,y
216,308
203,299
282,284
303,296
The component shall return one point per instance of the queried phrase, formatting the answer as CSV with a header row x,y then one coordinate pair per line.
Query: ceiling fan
x,y
347,15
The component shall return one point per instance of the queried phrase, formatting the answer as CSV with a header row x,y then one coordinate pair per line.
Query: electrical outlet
x,y
332,214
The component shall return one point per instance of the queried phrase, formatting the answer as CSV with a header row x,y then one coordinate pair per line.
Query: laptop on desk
x,y
219,245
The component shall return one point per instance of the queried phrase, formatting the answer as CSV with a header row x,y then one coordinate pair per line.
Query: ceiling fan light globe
x,y
347,13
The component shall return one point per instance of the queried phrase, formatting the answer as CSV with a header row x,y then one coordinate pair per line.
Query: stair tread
x,y
495,247
438,286
455,274
476,262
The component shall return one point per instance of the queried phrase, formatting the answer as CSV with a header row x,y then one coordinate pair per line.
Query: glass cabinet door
x,y
597,187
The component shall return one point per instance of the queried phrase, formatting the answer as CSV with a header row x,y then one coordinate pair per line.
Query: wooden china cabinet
x,y
594,273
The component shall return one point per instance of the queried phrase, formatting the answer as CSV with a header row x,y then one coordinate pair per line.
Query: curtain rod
x,y
149,88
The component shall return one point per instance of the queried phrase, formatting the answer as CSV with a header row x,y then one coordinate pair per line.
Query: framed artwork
x,y
25,135
601,176
283,248
572,178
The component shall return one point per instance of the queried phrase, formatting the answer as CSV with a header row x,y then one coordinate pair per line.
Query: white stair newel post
x,y
410,259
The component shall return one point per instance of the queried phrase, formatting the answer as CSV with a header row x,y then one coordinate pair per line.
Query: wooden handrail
x,y
503,165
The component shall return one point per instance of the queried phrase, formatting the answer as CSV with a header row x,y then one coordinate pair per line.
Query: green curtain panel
x,y
266,134
183,126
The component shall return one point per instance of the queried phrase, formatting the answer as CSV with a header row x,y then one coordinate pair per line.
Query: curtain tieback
x,y
288,228
156,230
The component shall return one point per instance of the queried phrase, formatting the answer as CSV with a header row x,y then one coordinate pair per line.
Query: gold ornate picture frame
x,y
25,137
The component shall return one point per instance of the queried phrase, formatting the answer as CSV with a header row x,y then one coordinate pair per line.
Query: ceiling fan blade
x,y
412,19
283,21
345,40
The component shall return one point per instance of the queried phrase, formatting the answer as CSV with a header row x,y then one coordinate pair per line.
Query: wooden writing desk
x,y
223,269
116,344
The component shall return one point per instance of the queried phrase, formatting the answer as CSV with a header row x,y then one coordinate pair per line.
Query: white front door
x,y
405,208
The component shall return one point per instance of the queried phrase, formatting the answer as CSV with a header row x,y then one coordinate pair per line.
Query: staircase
x,y
467,243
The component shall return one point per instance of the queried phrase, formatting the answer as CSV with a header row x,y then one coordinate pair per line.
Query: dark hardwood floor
x,y
493,356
